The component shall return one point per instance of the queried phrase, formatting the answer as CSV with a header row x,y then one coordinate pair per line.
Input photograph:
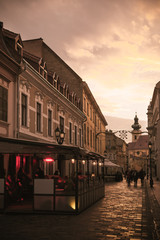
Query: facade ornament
x,y
50,103
25,84
39,95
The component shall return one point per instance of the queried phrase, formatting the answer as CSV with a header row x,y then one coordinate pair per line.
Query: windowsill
x,y
50,136
40,133
26,127
4,123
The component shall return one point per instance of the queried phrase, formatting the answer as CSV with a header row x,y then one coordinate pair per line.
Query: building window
x,y
75,134
19,48
84,133
88,136
98,144
80,137
61,123
93,116
38,117
61,89
84,104
24,110
49,122
45,74
70,132
87,109
3,104
93,140
91,113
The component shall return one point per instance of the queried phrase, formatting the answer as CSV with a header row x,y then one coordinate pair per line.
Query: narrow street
x,y
120,215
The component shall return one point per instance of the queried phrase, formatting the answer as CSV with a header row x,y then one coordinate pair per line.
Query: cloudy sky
x,y
113,45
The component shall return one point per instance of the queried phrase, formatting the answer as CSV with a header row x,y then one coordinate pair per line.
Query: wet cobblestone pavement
x,y
122,215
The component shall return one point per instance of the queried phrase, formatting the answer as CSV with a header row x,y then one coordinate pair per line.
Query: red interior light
x,y
48,159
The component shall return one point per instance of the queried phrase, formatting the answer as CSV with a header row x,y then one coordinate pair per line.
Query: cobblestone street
x,y
120,215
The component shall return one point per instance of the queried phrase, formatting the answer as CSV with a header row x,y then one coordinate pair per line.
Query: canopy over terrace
x,y
108,163
19,146
112,171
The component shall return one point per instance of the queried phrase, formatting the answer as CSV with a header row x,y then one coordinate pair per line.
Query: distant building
x,y
154,129
138,148
116,149
94,127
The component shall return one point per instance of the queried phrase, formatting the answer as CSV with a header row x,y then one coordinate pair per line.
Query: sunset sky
x,y
113,45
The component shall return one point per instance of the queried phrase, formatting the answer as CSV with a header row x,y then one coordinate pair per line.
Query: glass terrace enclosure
x,y
36,177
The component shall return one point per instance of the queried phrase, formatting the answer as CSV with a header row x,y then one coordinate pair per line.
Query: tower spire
x,y
136,125
136,132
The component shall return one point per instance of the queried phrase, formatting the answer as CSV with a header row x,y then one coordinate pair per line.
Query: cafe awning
x,y
108,163
21,146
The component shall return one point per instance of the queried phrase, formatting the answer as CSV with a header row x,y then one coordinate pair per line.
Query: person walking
x,y
128,177
142,175
135,178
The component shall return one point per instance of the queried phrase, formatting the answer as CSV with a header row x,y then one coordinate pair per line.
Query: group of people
x,y
15,186
134,175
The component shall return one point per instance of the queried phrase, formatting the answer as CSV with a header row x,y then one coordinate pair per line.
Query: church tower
x,y
136,132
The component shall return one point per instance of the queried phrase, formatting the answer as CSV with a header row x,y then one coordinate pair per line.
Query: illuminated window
x,y
3,104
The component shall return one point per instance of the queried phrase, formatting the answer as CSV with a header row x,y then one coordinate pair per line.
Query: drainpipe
x,y
17,134
22,68
85,120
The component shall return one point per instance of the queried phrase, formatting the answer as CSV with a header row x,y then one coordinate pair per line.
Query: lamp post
x,y
150,151
59,135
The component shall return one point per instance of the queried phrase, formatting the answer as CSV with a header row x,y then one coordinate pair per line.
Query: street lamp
x,y
59,135
150,151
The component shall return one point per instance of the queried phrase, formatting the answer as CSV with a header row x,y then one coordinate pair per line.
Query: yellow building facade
x,y
94,126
